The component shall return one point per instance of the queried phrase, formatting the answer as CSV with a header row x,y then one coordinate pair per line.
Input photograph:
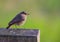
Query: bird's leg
x,y
15,26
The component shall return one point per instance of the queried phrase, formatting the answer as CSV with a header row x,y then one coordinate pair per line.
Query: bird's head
x,y
24,13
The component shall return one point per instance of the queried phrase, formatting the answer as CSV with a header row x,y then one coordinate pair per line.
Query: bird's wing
x,y
16,19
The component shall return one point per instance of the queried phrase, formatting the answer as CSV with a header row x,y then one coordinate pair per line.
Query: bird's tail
x,y
8,27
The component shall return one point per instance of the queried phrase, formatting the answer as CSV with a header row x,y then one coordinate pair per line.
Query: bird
x,y
19,19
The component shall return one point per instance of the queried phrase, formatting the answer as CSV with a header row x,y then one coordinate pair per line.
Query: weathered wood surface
x,y
19,35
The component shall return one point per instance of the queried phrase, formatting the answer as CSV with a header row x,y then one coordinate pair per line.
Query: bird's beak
x,y
27,14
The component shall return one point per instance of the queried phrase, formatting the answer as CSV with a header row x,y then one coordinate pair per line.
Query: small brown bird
x,y
19,19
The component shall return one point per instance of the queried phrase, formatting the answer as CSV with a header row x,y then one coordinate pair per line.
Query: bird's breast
x,y
24,17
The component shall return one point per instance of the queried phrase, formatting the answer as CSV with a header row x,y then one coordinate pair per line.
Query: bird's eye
x,y
25,14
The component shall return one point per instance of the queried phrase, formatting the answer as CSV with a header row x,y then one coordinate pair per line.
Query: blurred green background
x,y
44,15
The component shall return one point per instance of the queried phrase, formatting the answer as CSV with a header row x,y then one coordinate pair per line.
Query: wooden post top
x,y
18,32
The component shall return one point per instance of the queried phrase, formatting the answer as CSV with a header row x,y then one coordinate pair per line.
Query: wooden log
x,y
19,35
